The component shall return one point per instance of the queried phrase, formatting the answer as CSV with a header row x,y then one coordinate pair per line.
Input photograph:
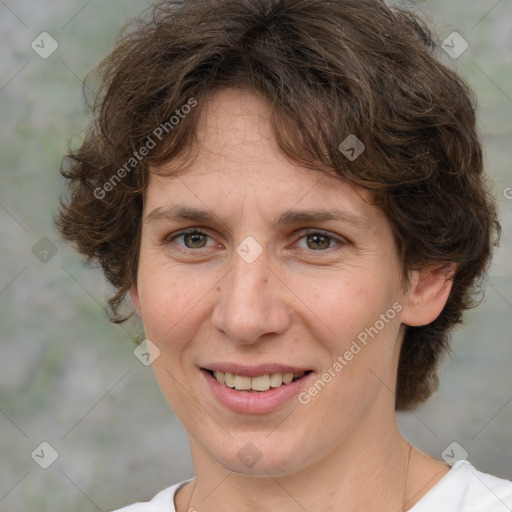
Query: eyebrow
x,y
180,212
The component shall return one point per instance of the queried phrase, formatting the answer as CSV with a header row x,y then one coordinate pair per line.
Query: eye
x,y
319,241
192,239
315,240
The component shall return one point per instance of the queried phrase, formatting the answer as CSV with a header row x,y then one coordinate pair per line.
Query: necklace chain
x,y
406,476
190,499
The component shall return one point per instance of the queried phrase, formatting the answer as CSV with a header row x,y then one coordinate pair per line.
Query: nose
x,y
251,301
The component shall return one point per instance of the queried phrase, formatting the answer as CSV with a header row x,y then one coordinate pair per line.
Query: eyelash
x,y
195,231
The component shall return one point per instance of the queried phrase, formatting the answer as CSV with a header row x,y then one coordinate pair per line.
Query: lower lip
x,y
257,402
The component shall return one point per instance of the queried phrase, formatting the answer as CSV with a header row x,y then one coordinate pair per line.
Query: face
x,y
254,267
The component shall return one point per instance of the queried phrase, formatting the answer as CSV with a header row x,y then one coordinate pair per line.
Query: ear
x,y
428,292
134,294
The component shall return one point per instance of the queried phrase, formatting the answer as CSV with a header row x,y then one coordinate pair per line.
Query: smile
x,y
255,389
258,383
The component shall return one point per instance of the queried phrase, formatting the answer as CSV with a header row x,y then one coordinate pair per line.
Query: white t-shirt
x,y
462,489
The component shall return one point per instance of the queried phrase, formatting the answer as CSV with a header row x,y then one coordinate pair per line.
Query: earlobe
x,y
134,294
428,293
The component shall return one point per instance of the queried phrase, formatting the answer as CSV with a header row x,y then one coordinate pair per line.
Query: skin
x,y
302,301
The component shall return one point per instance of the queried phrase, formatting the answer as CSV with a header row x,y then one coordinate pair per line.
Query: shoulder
x,y
161,502
465,489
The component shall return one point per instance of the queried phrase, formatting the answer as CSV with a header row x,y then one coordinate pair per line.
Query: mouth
x,y
258,383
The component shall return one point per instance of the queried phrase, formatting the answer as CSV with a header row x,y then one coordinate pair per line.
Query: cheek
x,y
349,325
345,305
166,293
175,304
171,303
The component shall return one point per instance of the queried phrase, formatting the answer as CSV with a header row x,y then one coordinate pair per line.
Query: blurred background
x,y
70,380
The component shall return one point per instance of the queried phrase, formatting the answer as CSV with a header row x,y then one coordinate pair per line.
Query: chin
x,y
260,456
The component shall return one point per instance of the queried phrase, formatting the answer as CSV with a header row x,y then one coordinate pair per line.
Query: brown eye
x,y
319,241
194,239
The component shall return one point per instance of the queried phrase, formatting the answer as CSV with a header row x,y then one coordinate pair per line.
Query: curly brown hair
x,y
328,68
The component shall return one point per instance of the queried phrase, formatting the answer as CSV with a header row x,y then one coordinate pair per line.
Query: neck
x,y
368,471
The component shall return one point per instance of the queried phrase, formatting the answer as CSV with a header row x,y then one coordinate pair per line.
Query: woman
x,y
292,194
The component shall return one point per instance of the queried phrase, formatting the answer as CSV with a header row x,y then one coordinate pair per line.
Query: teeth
x,y
259,383
229,379
287,378
276,379
220,376
242,382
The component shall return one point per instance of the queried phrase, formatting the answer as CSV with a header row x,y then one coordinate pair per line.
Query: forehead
x,y
237,161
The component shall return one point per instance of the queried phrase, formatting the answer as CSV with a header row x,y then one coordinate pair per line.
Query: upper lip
x,y
254,371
